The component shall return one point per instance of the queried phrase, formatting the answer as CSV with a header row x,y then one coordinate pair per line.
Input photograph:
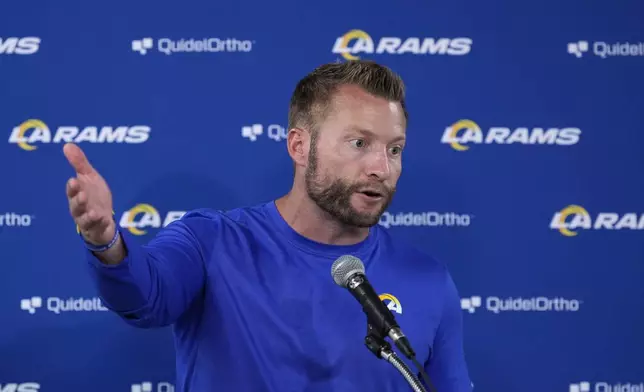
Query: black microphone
x,y
348,272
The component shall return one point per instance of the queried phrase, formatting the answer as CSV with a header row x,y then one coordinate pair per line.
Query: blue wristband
x,y
102,248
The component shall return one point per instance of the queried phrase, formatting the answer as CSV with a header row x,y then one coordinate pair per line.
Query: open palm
x,y
90,199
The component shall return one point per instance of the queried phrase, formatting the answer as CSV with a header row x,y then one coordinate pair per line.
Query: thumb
x,y
77,159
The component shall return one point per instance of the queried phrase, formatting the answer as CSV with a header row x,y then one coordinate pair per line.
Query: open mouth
x,y
372,194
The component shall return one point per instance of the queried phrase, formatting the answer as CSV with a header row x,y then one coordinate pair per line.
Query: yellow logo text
x,y
464,132
144,216
33,131
576,217
356,42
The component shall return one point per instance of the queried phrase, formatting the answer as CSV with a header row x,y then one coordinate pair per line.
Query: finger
x,y
78,204
73,187
89,220
77,159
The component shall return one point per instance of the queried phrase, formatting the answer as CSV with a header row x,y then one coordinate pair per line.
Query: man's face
x,y
355,157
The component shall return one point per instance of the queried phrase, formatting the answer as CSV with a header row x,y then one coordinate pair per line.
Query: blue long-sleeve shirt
x,y
254,307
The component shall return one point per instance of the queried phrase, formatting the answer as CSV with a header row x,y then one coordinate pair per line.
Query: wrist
x,y
105,245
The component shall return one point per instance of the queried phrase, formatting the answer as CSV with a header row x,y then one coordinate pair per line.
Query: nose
x,y
378,165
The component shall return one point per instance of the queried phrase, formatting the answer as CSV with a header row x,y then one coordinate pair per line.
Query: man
x,y
249,292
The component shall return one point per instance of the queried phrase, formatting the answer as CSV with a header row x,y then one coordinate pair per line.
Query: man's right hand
x,y
90,203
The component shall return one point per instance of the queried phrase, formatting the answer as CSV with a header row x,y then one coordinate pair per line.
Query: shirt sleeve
x,y
156,283
447,368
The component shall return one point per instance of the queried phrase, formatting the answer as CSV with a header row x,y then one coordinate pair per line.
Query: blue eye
x,y
359,143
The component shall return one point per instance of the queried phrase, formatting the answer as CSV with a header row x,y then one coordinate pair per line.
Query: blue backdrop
x,y
523,170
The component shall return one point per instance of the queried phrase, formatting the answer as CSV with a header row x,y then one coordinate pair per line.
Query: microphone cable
x,y
424,375
403,344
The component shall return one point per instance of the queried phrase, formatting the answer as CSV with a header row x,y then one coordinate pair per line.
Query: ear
x,y
297,143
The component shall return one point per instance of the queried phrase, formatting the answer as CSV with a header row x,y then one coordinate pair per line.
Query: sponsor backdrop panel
x,y
522,172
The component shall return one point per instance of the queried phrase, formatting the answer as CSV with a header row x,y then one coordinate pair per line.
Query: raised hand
x,y
90,199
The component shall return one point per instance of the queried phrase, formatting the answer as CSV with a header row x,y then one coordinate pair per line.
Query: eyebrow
x,y
371,134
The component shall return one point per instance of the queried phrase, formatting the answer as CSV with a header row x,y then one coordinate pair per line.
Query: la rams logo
x,y
392,303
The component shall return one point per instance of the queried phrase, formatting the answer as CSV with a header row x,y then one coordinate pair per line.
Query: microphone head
x,y
344,268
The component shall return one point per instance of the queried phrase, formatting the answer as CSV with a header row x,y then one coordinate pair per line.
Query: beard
x,y
334,195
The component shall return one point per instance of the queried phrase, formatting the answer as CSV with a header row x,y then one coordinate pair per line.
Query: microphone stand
x,y
377,344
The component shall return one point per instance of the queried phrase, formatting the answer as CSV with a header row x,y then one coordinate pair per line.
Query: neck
x,y
310,221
